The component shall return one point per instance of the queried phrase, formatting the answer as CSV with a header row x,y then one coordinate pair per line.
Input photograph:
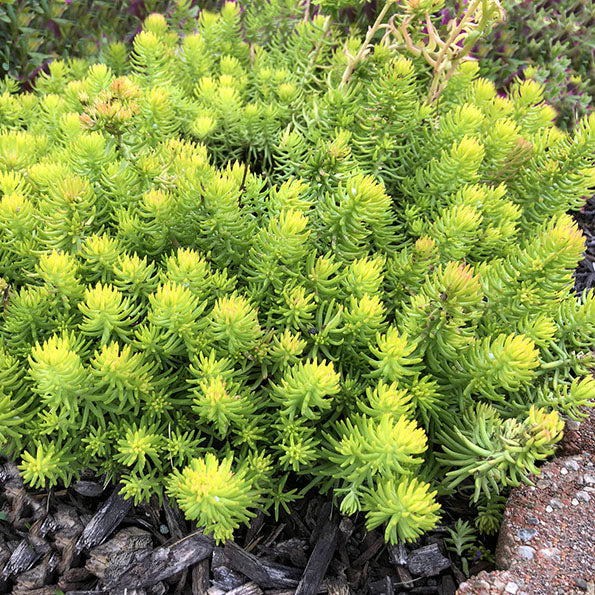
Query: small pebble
x,y
549,552
557,503
583,496
564,471
526,552
571,464
543,483
581,583
549,509
511,588
574,502
572,425
532,520
526,534
589,478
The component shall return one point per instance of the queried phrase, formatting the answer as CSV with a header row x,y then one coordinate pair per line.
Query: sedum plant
x,y
252,268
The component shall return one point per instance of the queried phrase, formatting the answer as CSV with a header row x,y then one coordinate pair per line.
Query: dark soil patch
x,y
584,277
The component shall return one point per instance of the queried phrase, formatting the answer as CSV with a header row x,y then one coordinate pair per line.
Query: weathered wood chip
x,y
246,589
295,549
427,561
383,586
37,577
447,586
267,575
175,520
23,557
397,554
375,546
226,578
29,550
110,559
337,586
10,472
319,559
164,562
222,575
76,575
89,489
405,577
105,521
200,577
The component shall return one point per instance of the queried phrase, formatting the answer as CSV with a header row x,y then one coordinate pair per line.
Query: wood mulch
x,y
87,539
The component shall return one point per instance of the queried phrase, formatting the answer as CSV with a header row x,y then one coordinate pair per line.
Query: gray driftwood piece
x,y
427,561
105,521
246,589
319,560
38,576
266,575
200,577
127,547
23,557
30,549
164,562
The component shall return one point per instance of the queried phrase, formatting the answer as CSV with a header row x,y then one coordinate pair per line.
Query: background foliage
x,y
552,42
34,32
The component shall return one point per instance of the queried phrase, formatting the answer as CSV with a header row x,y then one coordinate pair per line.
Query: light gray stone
x,y
557,503
526,552
571,464
526,534
550,552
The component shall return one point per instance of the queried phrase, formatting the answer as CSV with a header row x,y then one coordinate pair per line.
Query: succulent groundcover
x,y
250,262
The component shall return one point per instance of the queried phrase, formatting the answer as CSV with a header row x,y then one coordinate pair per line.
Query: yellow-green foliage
x,y
228,278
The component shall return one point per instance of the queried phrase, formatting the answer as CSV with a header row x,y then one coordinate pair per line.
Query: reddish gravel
x,y
547,540
579,436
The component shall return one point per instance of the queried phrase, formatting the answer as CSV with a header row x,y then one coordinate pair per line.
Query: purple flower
x,y
446,16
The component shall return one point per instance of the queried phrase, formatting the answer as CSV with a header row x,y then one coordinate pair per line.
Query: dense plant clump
x,y
249,265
